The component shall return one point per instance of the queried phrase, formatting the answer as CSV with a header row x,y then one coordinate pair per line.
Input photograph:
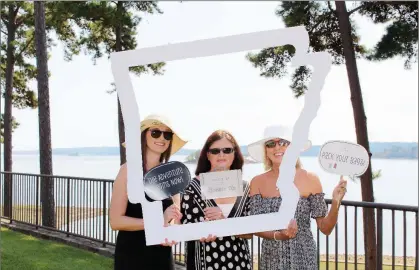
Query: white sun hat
x,y
257,149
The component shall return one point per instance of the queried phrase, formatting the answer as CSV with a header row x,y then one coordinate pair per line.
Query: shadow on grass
x,y
23,252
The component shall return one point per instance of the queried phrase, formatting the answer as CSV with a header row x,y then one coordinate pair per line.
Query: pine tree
x,y
331,29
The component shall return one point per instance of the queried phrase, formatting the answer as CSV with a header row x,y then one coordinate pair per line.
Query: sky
x,y
221,92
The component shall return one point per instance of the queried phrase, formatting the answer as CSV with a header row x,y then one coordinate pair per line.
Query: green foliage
x,y
401,37
102,22
24,70
58,21
376,175
15,125
321,22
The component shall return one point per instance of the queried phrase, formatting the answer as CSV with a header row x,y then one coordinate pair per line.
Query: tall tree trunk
x,y
121,125
45,153
10,63
361,133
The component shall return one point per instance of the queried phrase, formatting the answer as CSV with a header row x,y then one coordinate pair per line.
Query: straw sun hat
x,y
257,149
157,120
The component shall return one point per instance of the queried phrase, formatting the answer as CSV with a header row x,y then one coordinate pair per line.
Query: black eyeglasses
x,y
281,142
216,151
155,133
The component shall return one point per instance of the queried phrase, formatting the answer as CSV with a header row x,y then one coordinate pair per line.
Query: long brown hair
x,y
204,165
164,157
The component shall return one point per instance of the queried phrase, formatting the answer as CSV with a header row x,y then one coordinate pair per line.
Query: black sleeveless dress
x,y
131,252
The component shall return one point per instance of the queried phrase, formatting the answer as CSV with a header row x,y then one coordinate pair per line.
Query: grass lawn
x,y
23,252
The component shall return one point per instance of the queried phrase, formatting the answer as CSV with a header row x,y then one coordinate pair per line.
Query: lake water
x,y
397,185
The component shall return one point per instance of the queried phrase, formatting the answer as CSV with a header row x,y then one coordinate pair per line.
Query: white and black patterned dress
x,y
224,253
299,253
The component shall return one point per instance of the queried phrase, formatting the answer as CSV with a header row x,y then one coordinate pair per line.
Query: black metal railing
x,y
81,209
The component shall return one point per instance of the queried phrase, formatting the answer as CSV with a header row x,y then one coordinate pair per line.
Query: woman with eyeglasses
x,y
220,152
158,143
291,248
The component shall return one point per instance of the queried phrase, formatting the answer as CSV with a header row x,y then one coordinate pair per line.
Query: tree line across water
x,y
98,28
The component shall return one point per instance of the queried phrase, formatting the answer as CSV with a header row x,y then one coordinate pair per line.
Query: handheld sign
x,y
343,158
166,180
221,184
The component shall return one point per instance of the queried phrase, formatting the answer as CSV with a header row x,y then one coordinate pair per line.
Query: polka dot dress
x,y
224,253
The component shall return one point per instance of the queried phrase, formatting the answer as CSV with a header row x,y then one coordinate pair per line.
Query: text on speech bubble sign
x,y
343,158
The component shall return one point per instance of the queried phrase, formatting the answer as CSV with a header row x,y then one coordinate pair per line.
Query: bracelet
x,y
275,236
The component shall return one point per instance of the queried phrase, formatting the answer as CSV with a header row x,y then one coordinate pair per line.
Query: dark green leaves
x,y
401,37
15,125
321,22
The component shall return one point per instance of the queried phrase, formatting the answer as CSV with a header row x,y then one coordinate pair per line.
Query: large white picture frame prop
x,y
153,215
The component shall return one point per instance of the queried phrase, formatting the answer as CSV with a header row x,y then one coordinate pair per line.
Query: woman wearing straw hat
x,y
290,249
158,143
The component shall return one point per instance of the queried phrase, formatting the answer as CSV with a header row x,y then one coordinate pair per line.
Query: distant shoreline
x,y
379,150
188,162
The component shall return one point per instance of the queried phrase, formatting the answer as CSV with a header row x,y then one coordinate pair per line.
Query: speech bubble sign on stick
x,y
343,158
155,231
166,180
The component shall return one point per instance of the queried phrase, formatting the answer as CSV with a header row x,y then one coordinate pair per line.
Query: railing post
x,y
416,237
104,214
68,207
37,201
379,238
11,197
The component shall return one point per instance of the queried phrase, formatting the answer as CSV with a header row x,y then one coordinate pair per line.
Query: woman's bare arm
x,y
176,201
326,224
119,202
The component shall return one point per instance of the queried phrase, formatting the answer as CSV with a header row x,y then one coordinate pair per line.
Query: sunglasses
x,y
155,133
281,142
216,151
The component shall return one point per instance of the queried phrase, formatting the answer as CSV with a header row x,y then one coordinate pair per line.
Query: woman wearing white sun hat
x,y
292,248
158,142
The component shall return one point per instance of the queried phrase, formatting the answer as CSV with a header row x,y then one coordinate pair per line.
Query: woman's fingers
x,y
174,213
292,228
169,244
214,216
211,210
210,238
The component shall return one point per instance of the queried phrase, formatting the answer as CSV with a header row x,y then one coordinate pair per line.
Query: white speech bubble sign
x,y
155,232
343,158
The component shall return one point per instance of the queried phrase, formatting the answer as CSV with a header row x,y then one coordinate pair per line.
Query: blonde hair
x,y
267,163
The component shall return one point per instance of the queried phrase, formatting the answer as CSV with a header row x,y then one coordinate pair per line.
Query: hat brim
x,y
177,142
256,150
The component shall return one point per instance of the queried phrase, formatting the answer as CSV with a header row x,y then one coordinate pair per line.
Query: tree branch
x,y
6,22
17,9
26,46
4,32
330,6
355,9
319,21
18,24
